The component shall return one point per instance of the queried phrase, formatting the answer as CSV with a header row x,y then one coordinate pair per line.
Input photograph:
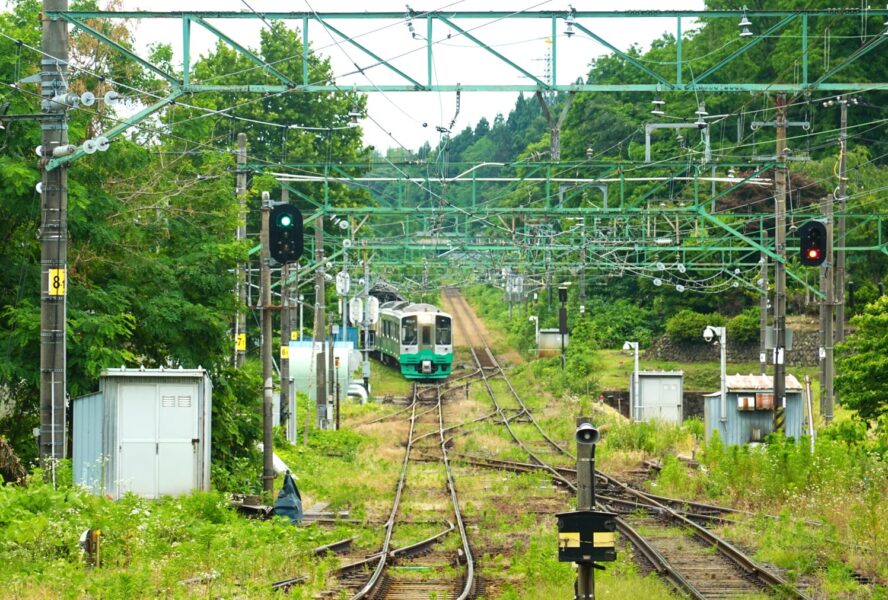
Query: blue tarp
x,y
289,502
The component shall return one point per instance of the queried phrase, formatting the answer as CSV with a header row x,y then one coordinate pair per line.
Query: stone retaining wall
x,y
805,351
619,401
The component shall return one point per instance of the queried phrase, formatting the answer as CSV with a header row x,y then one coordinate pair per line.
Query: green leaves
x,y
862,364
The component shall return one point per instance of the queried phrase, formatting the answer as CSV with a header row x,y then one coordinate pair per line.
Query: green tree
x,y
863,363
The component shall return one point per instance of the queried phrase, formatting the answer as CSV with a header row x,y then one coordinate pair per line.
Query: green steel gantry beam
x,y
587,23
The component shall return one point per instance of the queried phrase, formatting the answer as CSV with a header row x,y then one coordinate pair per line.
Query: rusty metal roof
x,y
759,382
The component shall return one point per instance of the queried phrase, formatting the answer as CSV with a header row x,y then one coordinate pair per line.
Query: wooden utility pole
x,y
268,386
240,329
53,241
780,180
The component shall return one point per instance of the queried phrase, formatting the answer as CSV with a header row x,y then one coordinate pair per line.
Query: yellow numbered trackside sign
x,y
603,539
570,539
294,335
241,342
57,282
285,352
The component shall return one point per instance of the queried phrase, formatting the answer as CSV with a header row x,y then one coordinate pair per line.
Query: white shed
x,y
145,431
549,342
660,396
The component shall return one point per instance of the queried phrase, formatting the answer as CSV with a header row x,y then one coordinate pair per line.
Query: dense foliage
x,y
152,255
863,363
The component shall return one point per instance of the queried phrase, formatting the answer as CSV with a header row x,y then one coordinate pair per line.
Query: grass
x,y
151,547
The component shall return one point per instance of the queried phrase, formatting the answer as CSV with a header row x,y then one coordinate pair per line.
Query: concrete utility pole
x,y
840,222
827,305
319,329
53,241
240,328
295,325
331,383
763,307
780,180
268,388
365,369
582,293
285,350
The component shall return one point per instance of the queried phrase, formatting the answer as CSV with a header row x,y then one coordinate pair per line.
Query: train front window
x,y
426,335
442,331
408,331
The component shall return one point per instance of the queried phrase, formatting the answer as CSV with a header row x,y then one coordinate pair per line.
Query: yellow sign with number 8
x,y
57,282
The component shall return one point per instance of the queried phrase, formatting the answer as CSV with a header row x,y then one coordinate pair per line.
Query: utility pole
x,y
240,328
839,272
763,306
295,321
365,370
780,177
53,241
331,382
583,280
265,277
285,349
555,125
840,223
343,298
320,328
827,305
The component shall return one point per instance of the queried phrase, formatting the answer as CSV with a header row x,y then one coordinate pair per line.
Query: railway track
x,y
405,570
694,559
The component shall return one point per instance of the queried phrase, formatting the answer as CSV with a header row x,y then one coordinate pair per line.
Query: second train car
x,y
418,337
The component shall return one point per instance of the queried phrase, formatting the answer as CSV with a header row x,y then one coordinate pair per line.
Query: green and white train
x,y
418,337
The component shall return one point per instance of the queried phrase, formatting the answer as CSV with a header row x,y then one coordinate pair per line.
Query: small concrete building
x,y
146,431
749,410
660,396
549,342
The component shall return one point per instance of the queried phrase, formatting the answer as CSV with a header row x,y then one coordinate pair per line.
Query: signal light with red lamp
x,y
812,243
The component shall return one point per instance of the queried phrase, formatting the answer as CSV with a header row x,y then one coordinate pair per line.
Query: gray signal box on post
x,y
586,536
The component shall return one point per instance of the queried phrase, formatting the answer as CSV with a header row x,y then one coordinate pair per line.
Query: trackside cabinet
x,y
587,536
147,431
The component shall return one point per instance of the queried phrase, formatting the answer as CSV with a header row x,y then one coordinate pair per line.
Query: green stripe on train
x,y
411,364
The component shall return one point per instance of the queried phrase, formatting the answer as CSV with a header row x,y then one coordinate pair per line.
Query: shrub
x,y
616,321
237,426
744,328
688,325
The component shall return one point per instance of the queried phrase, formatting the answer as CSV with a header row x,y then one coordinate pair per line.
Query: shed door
x,y
176,428
158,424
660,399
137,465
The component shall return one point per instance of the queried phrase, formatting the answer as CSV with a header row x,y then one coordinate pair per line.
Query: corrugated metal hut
x,y
749,414
145,431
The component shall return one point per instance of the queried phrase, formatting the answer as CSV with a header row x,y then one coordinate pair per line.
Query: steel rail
x,y
470,563
375,583
722,546
372,585
662,566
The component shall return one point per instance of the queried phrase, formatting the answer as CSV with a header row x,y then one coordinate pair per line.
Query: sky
x,y
409,119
